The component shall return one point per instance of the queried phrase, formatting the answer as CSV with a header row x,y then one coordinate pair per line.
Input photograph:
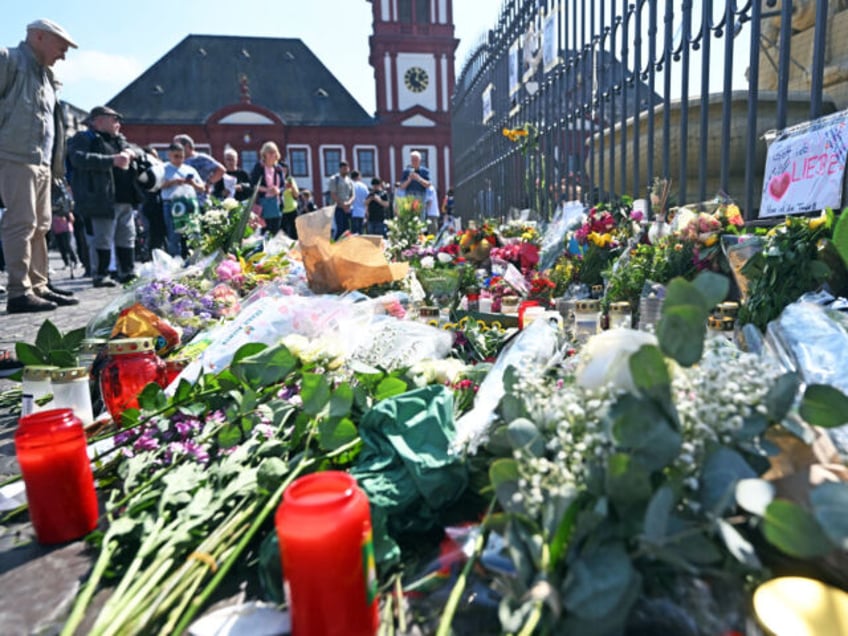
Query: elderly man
x,y
32,142
210,170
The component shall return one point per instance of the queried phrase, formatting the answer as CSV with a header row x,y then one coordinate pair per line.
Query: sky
x,y
119,40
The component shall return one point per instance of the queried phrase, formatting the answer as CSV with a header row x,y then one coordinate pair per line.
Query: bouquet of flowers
x,y
475,243
405,229
212,229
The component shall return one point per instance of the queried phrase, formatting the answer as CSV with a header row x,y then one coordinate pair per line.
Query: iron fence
x,y
615,93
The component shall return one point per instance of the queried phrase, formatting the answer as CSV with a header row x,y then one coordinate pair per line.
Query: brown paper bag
x,y
354,262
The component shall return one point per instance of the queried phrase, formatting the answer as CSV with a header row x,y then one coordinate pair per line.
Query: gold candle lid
x,y
728,308
620,307
92,345
587,305
69,374
130,345
38,372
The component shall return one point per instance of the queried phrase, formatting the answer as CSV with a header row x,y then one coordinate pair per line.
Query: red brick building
x,y
243,91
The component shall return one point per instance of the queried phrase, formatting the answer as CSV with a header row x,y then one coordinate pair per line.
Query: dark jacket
x,y
257,178
92,176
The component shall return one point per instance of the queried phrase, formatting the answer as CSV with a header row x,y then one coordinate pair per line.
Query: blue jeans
x,y
172,239
377,227
342,220
356,224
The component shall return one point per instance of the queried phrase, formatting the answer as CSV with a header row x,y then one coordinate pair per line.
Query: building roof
x,y
204,73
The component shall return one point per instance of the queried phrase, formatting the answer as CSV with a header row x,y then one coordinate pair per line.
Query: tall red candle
x,y
51,450
324,528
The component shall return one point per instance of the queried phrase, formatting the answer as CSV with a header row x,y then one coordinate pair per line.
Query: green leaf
x,y
713,288
152,398
229,436
650,374
504,475
657,514
48,337
266,367
738,546
29,355
793,530
184,388
334,433
71,340
389,387
271,473
627,482
830,508
840,237
341,400
523,435
824,406
565,529
315,392
723,468
681,332
247,350
781,396
597,583
754,495
640,428
62,358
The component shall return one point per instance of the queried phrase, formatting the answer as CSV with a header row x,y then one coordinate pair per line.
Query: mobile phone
x,y
190,177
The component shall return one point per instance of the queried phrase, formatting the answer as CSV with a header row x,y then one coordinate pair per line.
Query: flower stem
x,y
87,592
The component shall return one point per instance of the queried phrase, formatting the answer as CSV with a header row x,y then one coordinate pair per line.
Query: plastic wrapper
x,y
531,350
394,344
354,262
271,317
136,321
568,216
738,250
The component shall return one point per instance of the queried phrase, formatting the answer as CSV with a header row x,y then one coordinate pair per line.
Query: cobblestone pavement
x,y
39,582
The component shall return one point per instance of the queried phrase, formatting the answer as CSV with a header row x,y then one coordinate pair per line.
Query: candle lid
x,y
68,375
130,345
714,322
620,307
589,304
92,345
728,308
38,372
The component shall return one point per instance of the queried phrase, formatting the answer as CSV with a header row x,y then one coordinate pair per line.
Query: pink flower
x,y
229,271
226,300
637,215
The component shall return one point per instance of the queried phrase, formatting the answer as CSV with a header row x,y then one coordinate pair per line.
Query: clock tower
x,y
412,53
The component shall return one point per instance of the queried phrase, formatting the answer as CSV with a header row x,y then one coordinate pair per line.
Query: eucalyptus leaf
x,y
824,405
793,530
315,392
713,288
389,387
681,332
511,407
504,475
335,432
738,546
523,435
781,395
723,468
681,293
657,514
691,546
628,483
830,508
650,374
754,495
48,337
597,583
639,427
29,355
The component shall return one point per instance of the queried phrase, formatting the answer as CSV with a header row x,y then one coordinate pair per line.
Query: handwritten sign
x,y
805,170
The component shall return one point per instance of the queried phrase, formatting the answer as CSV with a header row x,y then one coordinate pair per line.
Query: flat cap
x,y
44,24
97,111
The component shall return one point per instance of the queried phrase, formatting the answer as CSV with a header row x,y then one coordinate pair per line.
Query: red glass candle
x,y
523,308
173,368
324,528
131,366
51,450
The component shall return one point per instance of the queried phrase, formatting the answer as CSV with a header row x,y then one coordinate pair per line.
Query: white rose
x,y
428,262
606,358
444,258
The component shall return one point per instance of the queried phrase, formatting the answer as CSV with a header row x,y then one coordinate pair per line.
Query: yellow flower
x,y
601,240
712,239
818,222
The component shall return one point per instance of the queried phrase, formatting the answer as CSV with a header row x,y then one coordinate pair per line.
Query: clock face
x,y
416,79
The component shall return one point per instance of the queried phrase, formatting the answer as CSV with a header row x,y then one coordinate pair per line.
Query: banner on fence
x,y
805,168
513,68
550,41
488,112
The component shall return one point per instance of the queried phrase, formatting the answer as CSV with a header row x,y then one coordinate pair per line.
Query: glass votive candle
x,y
71,391
485,304
620,316
587,314
131,366
35,386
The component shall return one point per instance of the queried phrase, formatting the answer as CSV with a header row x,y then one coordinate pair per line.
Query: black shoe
x,y
60,291
126,278
8,365
103,282
28,303
59,299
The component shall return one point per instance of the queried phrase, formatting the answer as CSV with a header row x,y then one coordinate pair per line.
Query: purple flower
x,y
146,441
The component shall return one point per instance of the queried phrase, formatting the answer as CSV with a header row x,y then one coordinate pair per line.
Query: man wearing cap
x,y
105,191
32,143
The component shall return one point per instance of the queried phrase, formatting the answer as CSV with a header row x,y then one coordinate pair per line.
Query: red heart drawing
x,y
779,185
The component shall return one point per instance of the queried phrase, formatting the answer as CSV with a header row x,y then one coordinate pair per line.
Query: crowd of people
x,y
97,195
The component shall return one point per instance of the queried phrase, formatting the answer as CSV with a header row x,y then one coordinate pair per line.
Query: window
x,y
332,157
405,11
249,158
299,163
422,11
365,162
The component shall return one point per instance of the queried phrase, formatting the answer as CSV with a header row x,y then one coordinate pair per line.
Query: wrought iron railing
x,y
616,93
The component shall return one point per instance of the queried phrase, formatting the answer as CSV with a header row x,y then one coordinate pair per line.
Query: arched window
x,y
419,8
422,11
